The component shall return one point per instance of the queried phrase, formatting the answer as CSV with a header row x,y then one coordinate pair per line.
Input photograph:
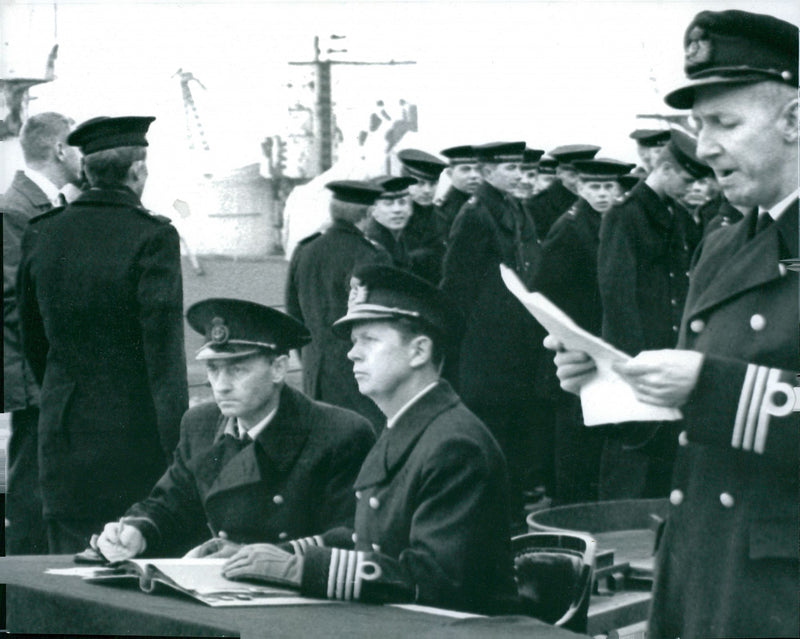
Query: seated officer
x,y
431,521
261,462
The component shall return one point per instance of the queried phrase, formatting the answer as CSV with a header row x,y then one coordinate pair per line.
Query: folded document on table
x,y
200,579
607,398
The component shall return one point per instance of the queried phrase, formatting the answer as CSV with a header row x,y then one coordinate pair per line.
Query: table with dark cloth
x,y
55,604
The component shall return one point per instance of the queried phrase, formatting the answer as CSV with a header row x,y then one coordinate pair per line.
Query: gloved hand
x,y
266,563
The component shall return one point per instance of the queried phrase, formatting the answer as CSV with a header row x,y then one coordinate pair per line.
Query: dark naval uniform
x,y
295,479
646,247
101,308
717,213
395,246
546,207
317,289
425,243
567,276
431,522
25,533
728,562
503,368
448,210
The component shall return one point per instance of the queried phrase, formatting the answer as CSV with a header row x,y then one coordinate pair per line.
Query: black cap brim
x,y
683,97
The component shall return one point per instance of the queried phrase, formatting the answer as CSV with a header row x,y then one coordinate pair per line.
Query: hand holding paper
x,y
662,378
606,397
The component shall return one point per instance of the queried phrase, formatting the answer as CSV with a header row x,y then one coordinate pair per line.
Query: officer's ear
x,y
280,367
137,174
788,121
421,351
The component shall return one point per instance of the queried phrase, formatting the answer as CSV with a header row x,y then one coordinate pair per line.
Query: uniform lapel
x,y
224,464
654,207
395,444
285,436
746,263
227,466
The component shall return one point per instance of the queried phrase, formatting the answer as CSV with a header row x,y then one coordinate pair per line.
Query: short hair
x,y
109,168
41,133
410,328
348,211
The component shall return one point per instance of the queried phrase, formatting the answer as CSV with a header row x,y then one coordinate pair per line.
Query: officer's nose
x,y
353,354
707,146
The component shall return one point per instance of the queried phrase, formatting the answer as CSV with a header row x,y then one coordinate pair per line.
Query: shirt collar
x,y
43,182
235,429
391,422
776,211
256,430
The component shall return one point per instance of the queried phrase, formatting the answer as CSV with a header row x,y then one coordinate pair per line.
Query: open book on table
x,y
607,398
200,579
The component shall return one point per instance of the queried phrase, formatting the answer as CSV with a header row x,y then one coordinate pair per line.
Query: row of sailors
x,y
617,262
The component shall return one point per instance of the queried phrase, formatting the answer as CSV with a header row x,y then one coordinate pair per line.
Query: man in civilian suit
x,y
52,171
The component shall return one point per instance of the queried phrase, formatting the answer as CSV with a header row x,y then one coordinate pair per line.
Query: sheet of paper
x,y
78,571
607,398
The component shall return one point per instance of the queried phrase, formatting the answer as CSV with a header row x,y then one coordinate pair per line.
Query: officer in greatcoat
x,y
422,234
567,275
389,217
501,370
548,205
646,245
101,311
465,178
728,561
431,523
317,287
262,462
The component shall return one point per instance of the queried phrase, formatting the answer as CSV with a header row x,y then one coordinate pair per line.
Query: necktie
x,y
60,200
764,221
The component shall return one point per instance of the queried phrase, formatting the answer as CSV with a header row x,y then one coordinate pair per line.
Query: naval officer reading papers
x,y
607,398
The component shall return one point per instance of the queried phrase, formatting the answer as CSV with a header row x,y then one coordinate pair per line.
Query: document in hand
x,y
200,579
606,398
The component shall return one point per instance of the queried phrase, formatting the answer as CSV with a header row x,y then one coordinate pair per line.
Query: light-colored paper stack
x,y
607,398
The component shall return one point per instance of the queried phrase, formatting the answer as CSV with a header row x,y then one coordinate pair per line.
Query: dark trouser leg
x,y
521,429
577,454
25,531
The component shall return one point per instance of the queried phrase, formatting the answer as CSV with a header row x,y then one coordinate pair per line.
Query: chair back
x,y
554,573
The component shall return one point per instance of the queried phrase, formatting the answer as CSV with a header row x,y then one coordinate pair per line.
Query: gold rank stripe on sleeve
x,y
757,404
347,572
300,546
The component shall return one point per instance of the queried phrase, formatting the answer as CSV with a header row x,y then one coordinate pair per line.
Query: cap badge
x,y
219,333
698,49
358,295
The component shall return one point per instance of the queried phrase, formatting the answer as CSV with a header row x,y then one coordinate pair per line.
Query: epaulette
x,y
163,219
47,214
309,238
